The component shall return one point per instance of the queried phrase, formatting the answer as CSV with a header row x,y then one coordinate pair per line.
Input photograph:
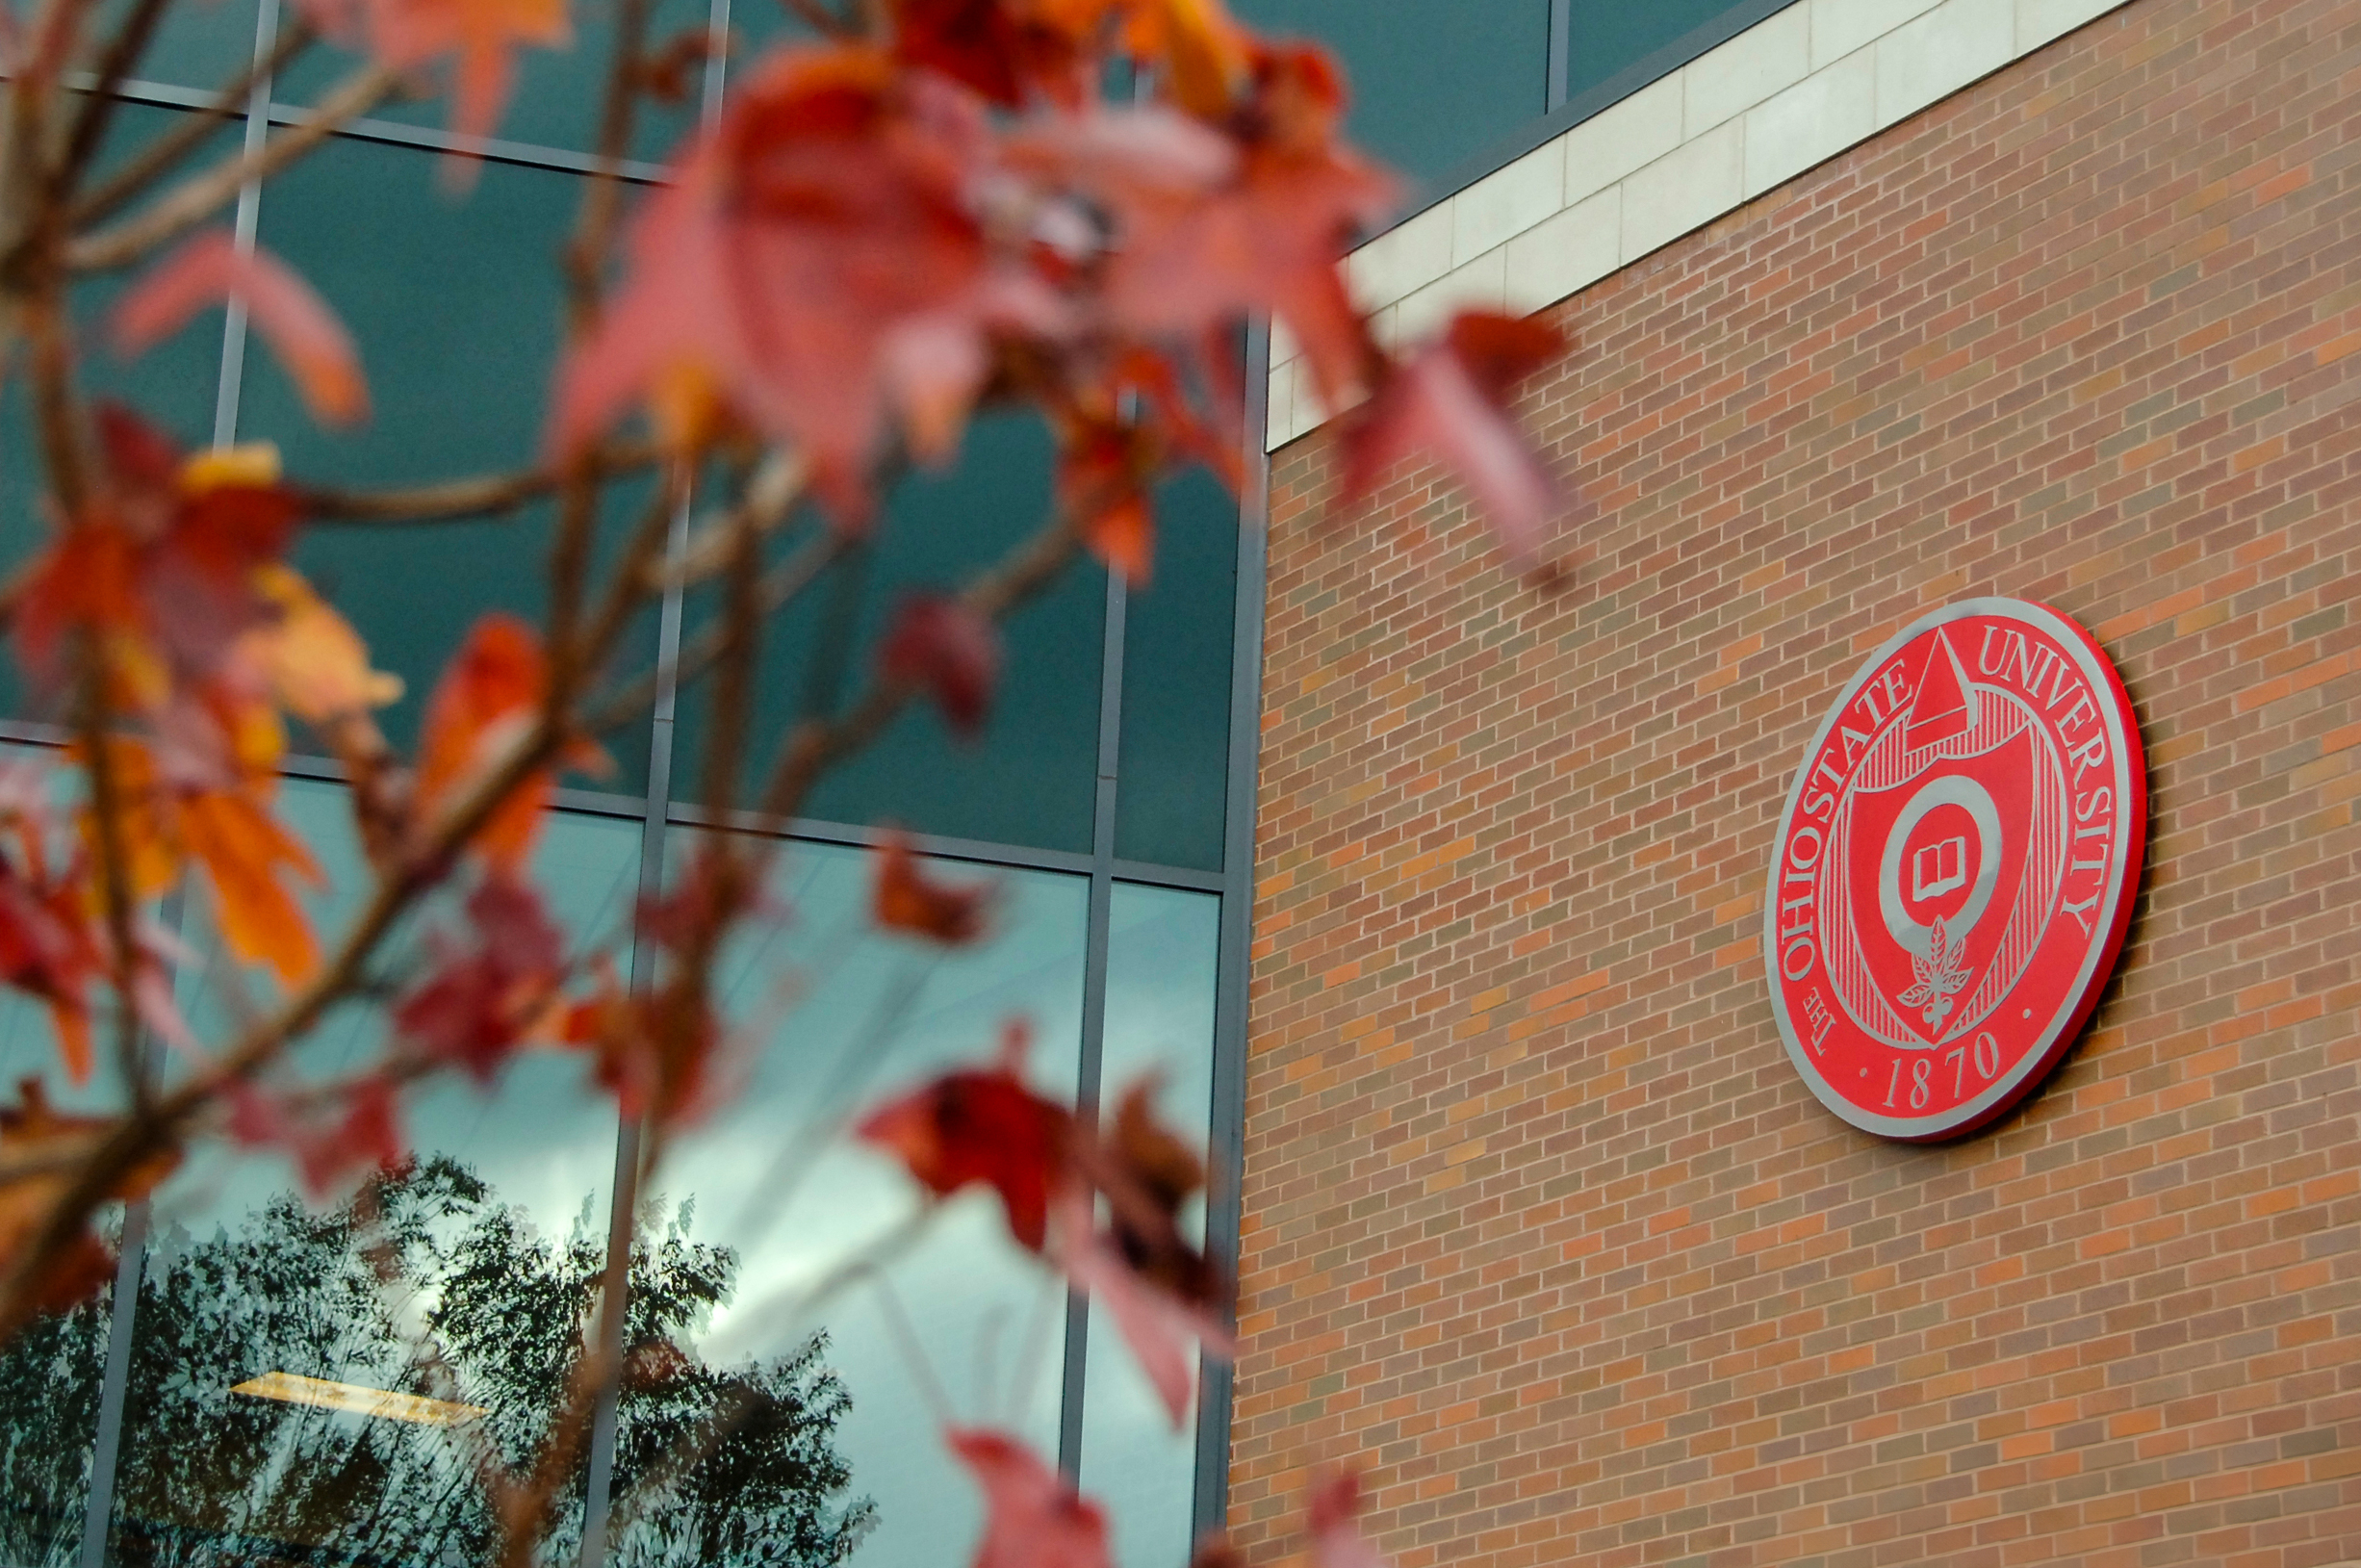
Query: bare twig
x,y
184,207
780,585
453,500
89,126
160,156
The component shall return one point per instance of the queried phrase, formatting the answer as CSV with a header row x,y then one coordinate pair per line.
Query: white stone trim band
x,y
1793,90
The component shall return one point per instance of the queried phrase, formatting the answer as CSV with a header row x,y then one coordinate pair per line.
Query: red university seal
x,y
1955,869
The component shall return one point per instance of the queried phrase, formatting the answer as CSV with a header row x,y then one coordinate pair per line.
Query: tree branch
x,y
184,207
454,500
160,156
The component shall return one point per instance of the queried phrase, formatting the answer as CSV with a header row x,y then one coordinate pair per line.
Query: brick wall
x,y
1541,1226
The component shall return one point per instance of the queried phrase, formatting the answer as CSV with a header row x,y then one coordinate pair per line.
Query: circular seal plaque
x,y
1955,869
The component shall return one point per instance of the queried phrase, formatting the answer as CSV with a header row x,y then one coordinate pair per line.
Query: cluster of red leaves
x,y
1034,1517
332,1136
656,1049
878,235
986,1126
482,999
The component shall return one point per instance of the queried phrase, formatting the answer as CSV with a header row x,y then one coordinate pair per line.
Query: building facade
x,y
1881,306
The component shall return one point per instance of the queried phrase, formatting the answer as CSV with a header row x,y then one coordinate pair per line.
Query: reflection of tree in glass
x,y
210,1478
49,1384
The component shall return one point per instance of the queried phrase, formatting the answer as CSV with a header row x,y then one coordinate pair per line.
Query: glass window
x,y
559,93
457,309
1030,779
1177,650
1161,956
1607,35
173,385
830,1016
1433,81
208,44
322,1381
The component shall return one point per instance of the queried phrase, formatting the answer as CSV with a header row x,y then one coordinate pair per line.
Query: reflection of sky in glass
x,y
542,1140
841,1015
1160,1018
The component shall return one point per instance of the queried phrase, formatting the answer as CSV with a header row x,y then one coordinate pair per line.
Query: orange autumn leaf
x,y
489,693
246,855
478,37
1204,54
906,899
301,330
317,664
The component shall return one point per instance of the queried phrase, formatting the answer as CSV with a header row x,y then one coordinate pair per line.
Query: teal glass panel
x,y
559,95
460,1281
199,43
1029,779
173,385
1174,767
457,309
830,1017
1161,956
1608,35
1433,81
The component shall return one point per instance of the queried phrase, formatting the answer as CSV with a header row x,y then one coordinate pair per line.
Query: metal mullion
x,y
1094,991
598,1493
1227,1145
248,220
1561,54
106,1448
131,1260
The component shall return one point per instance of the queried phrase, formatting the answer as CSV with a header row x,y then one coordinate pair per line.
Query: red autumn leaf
x,y
1103,472
982,1125
1333,1516
1162,1329
1451,400
906,899
1033,1517
160,566
481,1001
359,1129
950,649
48,950
297,325
654,1054
1262,232
815,266
1163,1295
